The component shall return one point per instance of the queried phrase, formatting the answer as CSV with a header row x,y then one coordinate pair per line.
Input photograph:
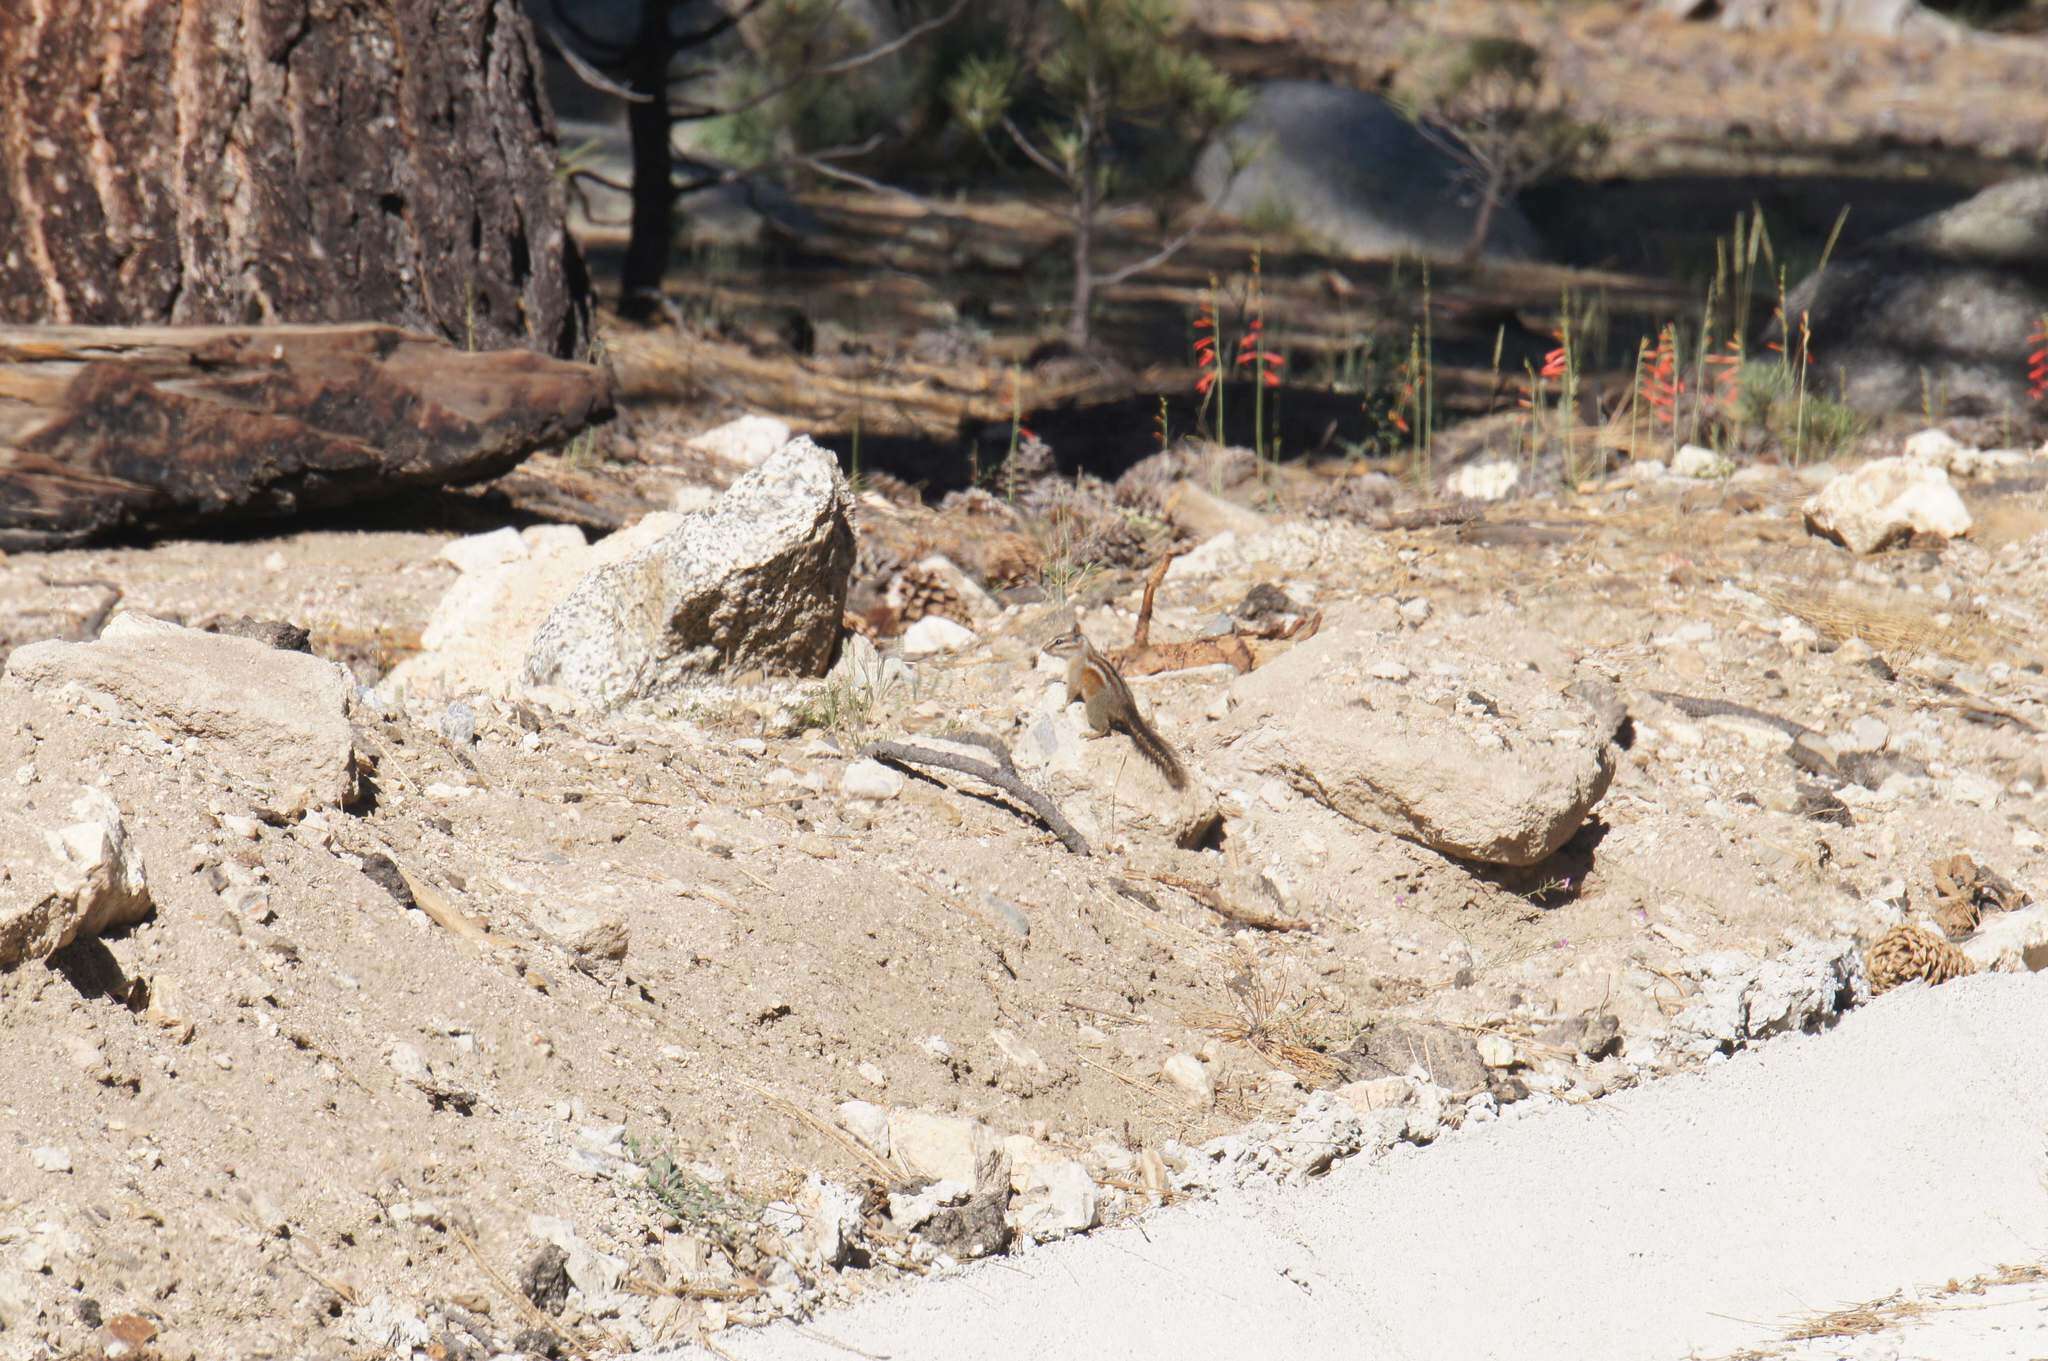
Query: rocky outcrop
x,y
759,580
1940,309
270,723
1468,755
1345,167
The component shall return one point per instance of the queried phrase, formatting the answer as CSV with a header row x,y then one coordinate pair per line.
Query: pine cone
x,y
1010,560
917,593
1907,952
1029,463
1958,917
1115,541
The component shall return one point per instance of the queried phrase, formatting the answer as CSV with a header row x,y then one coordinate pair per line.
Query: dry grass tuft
x,y
1903,628
1277,1029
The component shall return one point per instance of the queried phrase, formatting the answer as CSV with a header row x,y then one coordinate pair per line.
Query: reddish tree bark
x,y
259,161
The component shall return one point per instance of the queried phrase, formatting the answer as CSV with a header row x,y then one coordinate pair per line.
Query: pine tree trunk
x,y
214,161
654,199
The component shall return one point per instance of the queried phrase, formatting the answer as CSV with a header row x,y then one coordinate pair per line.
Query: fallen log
x,y
147,429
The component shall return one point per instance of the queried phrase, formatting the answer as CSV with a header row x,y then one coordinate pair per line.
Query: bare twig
x,y
1003,777
588,74
1141,636
698,112
518,1297
1211,897
874,1166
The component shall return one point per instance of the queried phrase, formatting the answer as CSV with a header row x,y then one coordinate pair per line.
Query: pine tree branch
x,y
1037,157
691,113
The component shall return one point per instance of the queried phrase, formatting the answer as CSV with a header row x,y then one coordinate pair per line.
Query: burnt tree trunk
x,y
220,162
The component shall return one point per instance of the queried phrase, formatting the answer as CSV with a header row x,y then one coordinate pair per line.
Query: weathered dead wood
x,y
125,429
1003,775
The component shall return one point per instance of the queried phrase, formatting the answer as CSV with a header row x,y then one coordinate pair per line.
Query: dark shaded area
x,y
1666,226
90,968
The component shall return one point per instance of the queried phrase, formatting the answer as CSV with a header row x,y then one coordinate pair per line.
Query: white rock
x,y
1887,500
477,552
868,1123
2015,941
1740,1000
820,1227
1496,1050
591,932
1018,1052
747,442
945,1147
1415,612
48,1159
1937,448
757,581
58,884
1974,790
935,634
1867,733
1189,1074
870,779
1059,1198
1693,460
1490,481
907,1210
410,1067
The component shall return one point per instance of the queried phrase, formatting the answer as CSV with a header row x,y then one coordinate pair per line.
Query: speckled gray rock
x,y
758,580
1742,1000
1345,166
1942,306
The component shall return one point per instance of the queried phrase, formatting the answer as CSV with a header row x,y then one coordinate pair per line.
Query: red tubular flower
x,y
1556,362
1662,384
2037,363
1727,372
1266,361
1205,347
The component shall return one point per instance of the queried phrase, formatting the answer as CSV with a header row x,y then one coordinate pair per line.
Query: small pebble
x,y
458,724
870,779
1186,1072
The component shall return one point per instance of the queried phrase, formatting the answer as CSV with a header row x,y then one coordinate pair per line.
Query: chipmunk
x,y
1092,680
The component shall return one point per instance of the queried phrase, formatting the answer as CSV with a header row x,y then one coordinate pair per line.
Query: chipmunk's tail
x,y
1153,748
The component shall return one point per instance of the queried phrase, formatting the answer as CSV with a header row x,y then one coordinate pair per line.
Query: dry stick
x,y
1209,896
1004,778
444,913
1142,634
533,1313
880,1170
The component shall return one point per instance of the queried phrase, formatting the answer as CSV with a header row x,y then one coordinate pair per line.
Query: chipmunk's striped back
x,y
1109,702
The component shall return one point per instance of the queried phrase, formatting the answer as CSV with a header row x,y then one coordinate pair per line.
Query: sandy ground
x,y
1699,1216
790,947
